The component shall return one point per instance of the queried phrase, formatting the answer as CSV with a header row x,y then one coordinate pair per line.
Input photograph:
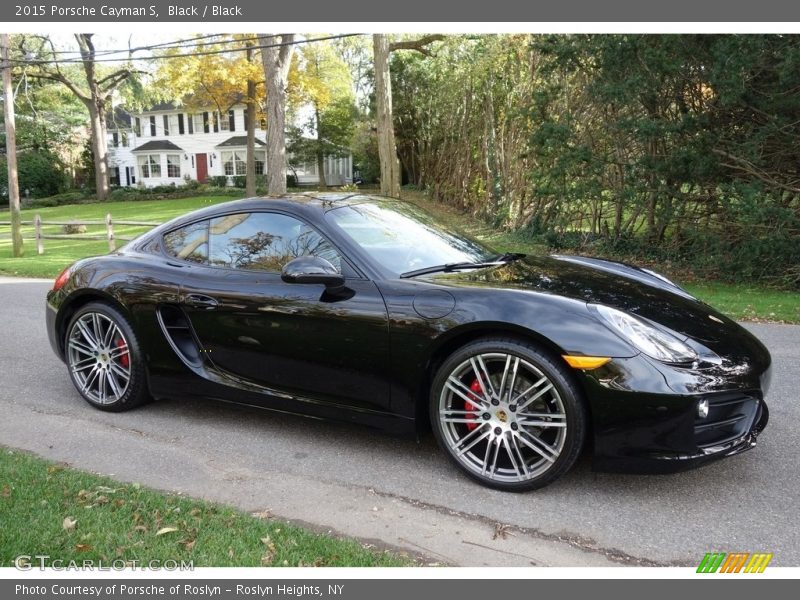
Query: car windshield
x,y
403,238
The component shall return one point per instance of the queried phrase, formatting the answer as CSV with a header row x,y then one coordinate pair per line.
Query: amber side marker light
x,y
585,362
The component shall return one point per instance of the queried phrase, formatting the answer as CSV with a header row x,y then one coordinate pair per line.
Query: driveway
x,y
399,492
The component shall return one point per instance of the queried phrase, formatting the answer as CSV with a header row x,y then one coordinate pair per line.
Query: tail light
x,y
62,279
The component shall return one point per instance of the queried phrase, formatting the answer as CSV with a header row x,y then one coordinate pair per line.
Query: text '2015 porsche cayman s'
x,y
365,309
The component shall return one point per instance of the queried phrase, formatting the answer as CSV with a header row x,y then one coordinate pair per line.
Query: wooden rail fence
x,y
109,223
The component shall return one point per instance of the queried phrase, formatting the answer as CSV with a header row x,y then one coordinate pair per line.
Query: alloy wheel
x,y
502,418
99,358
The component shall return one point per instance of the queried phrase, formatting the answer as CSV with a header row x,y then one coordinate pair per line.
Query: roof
x,y
157,145
188,100
237,141
119,118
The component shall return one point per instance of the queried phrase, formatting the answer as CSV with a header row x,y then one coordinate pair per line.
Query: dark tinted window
x,y
265,242
189,243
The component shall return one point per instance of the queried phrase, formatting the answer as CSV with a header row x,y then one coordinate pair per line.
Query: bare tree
x,y
387,148
276,56
250,179
11,151
95,93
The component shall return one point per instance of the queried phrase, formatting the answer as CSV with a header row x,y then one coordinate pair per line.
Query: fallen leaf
x,y
6,492
196,512
69,523
119,502
83,547
101,500
54,469
230,552
165,530
264,514
141,528
501,531
188,544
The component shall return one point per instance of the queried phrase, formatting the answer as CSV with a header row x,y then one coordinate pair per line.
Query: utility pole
x,y
11,149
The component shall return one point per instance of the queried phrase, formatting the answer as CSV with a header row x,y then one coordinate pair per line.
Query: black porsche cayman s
x,y
365,309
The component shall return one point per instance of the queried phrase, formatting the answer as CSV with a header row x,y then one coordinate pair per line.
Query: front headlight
x,y
650,340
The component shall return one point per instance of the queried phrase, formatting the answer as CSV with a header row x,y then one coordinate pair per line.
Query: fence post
x,y
37,223
110,233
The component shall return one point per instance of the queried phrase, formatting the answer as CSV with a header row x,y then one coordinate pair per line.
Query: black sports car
x,y
365,309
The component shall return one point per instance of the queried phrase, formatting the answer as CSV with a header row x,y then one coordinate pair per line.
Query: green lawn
x,y
739,301
60,253
48,509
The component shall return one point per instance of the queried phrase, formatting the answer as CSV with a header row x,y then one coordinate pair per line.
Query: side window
x,y
189,243
265,242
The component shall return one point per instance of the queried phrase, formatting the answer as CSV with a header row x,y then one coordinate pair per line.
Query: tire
x,y
523,430
106,368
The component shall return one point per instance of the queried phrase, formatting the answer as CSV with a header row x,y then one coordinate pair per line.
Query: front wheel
x,y
104,358
507,414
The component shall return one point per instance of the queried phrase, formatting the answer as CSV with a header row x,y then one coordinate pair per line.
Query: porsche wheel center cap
x,y
501,416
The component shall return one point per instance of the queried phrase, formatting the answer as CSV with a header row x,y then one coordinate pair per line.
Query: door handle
x,y
200,301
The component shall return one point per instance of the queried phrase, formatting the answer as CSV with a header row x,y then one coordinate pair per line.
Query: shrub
x,y
40,172
239,181
219,181
291,180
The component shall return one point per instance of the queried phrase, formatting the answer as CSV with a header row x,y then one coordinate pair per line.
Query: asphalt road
x,y
400,493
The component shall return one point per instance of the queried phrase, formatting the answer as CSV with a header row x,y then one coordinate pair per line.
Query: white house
x,y
170,145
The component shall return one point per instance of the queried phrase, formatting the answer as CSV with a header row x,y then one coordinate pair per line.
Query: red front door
x,y
201,160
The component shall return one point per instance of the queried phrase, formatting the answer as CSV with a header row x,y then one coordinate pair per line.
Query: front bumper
x,y
642,425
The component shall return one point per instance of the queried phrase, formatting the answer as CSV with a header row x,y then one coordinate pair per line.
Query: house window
x,y
166,125
190,122
260,159
234,162
173,165
153,126
231,120
150,165
224,124
262,123
115,140
180,124
206,122
124,139
215,116
138,126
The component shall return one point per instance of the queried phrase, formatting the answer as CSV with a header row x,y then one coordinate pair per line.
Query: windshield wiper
x,y
449,267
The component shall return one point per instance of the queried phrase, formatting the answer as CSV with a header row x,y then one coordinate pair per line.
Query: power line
x,y
189,54
185,43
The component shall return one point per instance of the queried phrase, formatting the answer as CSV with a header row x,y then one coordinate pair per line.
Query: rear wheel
x,y
507,414
104,358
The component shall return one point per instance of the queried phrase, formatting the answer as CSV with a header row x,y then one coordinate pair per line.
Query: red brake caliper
x,y
475,386
124,359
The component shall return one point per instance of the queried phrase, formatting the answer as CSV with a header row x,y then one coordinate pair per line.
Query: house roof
x,y
157,145
238,141
119,118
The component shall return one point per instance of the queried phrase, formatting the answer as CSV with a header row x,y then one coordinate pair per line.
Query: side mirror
x,y
312,269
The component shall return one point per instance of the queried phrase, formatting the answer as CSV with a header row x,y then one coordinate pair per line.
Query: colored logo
x,y
734,562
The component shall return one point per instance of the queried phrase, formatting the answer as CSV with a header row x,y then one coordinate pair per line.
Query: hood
x,y
617,285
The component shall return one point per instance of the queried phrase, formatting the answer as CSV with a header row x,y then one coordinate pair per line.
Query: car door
x,y
288,338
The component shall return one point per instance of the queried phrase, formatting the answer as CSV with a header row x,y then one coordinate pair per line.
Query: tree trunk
x,y
250,179
323,183
276,62
99,149
387,149
11,153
